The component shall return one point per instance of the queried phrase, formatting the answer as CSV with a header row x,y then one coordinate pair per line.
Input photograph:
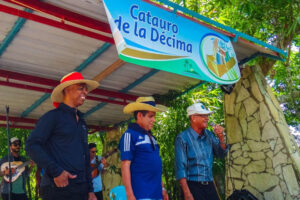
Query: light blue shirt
x,y
97,181
194,155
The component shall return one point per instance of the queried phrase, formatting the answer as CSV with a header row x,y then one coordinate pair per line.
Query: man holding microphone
x,y
194,151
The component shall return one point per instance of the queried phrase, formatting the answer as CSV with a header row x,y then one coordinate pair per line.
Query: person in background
x,y
58,144
97,164
194,151
141,164
18,190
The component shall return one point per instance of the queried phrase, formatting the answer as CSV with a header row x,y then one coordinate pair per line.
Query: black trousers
x,y
15,196
72,191
99,195
202,191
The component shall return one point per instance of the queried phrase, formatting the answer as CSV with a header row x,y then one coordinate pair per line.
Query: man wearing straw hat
x,y
141,163
58,144
194,150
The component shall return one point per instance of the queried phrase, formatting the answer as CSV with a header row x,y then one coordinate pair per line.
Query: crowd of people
x,y
69,168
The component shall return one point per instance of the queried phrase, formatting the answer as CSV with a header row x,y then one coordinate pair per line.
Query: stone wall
x,y
264,157
112,175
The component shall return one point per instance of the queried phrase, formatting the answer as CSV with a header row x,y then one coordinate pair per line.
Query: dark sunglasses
x,y
16,144
93,151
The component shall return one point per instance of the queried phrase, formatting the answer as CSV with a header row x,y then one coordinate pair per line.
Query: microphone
x,y
212,124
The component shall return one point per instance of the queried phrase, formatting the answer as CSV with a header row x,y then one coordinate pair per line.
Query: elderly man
x,y
194,150
141,163
58,144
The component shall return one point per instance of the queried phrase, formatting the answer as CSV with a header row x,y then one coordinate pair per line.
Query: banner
x,y
150,36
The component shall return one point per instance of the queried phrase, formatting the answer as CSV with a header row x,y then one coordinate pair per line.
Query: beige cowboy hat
x,y
71,79
144,103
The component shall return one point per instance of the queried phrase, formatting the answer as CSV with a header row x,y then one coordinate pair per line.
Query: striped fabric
x,y
127,141
194,155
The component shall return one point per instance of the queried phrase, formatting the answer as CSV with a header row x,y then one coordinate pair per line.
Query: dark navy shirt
x,y
59,142
146,164
194,155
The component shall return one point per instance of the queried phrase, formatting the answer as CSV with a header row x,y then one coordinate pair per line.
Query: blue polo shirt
x,y
146,164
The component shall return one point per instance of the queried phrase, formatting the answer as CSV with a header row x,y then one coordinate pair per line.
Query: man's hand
x,y
63,179
126,178
131,197
185,188
219,130
92,196
165,195
32,164
6,171
104,162
188,196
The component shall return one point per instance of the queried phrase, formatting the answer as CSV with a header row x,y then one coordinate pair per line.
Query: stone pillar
x,y
264,157
111,177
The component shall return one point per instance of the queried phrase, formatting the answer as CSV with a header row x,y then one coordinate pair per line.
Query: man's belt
x,y
201,182
204,182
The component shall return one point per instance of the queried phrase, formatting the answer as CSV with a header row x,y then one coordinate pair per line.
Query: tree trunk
x,y
112,175
263,158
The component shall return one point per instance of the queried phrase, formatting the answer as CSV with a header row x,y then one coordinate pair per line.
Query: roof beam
x,y
52,83
109,70
18,119
27,78
81,67
49,91
12,34
17,126
125,90
63,14
14,120
54,23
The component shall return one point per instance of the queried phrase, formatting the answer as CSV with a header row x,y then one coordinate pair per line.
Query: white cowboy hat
x,y
198,108
71,79
144,103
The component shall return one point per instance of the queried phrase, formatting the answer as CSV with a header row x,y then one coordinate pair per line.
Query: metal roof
x,y
41,41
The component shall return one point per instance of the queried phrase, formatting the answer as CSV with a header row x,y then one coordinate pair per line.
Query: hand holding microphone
x,y
219,131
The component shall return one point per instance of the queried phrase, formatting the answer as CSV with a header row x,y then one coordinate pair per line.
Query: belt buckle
x,y
204,182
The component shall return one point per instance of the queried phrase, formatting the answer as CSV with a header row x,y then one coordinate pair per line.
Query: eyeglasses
x,y
204,116
16,144
93,151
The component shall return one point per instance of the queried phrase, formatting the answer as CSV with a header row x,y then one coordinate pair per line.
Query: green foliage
x,y
22,135
175,120
286,87
271,21
98,139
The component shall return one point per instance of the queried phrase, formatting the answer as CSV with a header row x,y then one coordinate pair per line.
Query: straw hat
x,y
71,79
144,103
198,108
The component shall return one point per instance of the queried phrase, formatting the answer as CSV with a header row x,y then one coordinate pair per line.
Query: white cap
x,y
198,108
14,139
